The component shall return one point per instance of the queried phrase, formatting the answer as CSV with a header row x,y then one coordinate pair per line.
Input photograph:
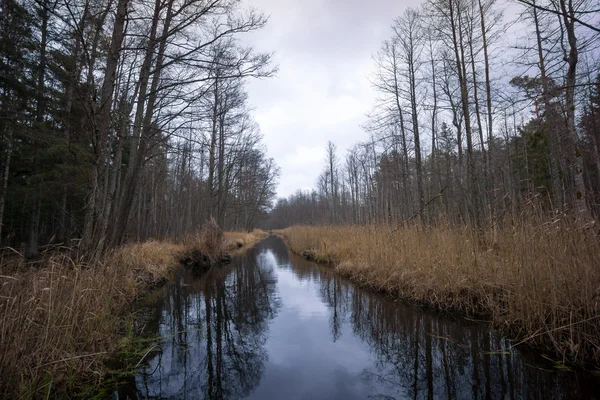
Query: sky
x,y
322,92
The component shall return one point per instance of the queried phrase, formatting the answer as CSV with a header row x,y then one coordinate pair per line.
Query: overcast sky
x,y
322,92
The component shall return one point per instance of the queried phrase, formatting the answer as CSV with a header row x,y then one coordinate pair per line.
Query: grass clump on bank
x,y
540,282
238,239
212,246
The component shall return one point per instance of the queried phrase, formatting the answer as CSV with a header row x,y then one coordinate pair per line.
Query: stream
x,y
274,326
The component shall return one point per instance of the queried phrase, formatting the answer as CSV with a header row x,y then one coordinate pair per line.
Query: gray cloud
x,y
322,92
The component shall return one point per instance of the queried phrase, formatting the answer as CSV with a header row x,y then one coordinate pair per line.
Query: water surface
x,y
274,326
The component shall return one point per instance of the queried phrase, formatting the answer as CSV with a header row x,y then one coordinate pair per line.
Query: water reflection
x,y
214,331
276,326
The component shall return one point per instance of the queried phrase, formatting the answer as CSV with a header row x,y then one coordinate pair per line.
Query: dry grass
x,y
206,245
540,282
212,244
233,240
59,321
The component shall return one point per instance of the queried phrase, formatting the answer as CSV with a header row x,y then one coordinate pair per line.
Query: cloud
x,y
322,92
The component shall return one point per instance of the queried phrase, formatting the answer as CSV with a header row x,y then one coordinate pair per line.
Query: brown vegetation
x,y
539,282
239,239
205,249
212,245
60,320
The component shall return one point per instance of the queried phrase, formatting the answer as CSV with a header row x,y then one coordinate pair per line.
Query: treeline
x,y
127,120
472,124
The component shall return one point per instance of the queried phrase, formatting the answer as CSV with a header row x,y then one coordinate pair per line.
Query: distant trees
x,y
127,119
451,138
590,139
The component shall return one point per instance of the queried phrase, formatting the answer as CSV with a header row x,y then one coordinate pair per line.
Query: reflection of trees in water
x,y
214,331
421,355
331,288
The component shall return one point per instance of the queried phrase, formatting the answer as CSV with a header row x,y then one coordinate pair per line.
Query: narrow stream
x,y
274,326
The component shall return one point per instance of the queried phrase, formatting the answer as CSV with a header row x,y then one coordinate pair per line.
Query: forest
x,y
453,136
125,126
128,120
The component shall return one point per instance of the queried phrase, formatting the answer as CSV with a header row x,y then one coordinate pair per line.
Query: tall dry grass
x,y
538,281
212,244
59,321
239,239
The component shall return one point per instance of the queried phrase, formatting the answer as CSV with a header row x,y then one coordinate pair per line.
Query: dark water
x,y
273,326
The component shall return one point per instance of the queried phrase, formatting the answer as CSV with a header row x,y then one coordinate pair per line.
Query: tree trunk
x,y
478,115
5,173
457,33
403,133
576,158
103,117
552,131
34,223
415,121
488,98
139,154
212,152
434,161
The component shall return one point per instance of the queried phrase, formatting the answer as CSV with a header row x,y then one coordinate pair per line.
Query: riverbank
x,y
61,318
538,283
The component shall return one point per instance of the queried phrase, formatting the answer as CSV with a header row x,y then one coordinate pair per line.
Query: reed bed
x,y
59,320
539,282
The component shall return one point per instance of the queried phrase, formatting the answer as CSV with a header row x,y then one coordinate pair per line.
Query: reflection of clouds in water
x,y
301,296
291,383
298,343
304,359
268,259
